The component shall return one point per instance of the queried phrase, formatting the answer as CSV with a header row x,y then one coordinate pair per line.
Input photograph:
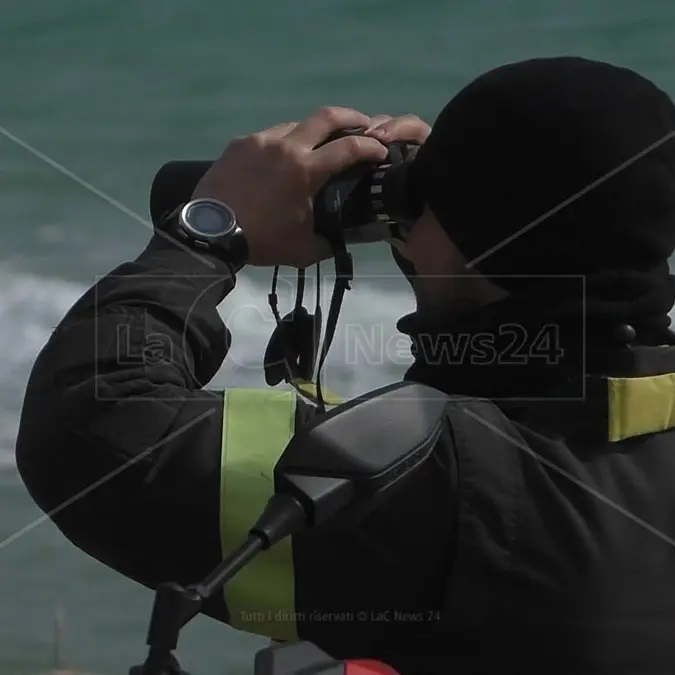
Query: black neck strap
x,y
344,274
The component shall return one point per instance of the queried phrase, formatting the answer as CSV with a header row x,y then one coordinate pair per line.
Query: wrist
x,y
206,273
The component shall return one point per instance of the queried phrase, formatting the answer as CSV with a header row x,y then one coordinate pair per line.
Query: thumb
x,y
338,155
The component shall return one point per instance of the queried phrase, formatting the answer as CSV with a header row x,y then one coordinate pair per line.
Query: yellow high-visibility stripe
x,y
640,405
309,390
257,426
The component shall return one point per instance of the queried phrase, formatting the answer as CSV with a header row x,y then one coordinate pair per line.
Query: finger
x,y
378,120
405,128
317,127
338,155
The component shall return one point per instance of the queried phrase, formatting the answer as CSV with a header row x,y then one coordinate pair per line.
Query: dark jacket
x,y
537,539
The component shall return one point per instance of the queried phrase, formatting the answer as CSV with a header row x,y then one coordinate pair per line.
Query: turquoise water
x,y
97,95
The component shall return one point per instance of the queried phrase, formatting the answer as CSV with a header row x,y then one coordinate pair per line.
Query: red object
x,y
368,667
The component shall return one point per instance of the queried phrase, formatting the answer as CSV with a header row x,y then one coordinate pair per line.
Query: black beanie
x,y
522,140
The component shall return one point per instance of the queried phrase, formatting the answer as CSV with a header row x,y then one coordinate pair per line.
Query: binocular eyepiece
x,y
363,204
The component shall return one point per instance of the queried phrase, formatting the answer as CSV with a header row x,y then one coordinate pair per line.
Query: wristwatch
x,y
209,225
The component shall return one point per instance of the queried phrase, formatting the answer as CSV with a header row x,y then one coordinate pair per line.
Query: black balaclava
x,y
502,167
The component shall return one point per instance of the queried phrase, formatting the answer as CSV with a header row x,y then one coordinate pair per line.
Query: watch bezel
x,y
196,234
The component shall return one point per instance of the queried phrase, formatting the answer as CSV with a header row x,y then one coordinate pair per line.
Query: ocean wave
x,y
31,306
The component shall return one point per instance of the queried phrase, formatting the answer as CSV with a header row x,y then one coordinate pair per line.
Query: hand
x,y
270,179
406,128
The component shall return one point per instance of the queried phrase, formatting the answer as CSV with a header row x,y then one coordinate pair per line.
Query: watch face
x,y
208,219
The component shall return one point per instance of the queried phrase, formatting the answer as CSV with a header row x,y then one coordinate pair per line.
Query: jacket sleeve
x,y
119,440
123,446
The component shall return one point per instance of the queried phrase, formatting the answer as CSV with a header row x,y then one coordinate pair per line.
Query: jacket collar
x,y
549,369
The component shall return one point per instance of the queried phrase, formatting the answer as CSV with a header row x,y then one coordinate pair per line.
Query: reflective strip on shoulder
x,y
640,405
257,425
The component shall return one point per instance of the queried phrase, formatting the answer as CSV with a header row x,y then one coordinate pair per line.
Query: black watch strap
x,y
236,250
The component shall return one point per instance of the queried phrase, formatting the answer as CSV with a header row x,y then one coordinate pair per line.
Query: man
x,y
540,539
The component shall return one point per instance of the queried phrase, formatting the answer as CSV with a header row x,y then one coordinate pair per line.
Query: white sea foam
x,y
31,306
